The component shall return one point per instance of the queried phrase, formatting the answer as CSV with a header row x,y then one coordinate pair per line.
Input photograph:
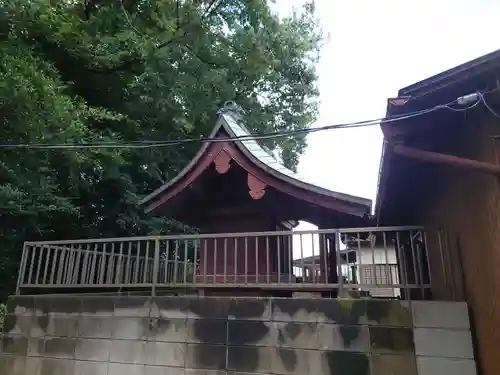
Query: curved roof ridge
x,y
231,123
258,152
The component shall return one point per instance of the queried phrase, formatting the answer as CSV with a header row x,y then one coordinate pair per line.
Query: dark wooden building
x,y
236,186
442,169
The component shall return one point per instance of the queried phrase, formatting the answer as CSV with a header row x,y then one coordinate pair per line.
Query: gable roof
x,y
230,124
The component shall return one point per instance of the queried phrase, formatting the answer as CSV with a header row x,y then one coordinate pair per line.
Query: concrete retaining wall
x,y
214,336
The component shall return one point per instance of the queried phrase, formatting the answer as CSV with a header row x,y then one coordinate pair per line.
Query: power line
x,y
279,134
150,144
488,107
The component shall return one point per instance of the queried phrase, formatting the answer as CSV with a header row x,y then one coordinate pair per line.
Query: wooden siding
x,y
467,205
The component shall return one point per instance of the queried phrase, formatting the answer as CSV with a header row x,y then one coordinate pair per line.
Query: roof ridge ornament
x,y
232,108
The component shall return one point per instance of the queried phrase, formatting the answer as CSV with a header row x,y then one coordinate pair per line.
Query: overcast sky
x,y
373,48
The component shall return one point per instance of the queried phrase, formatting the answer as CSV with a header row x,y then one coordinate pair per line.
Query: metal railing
x,y
392,262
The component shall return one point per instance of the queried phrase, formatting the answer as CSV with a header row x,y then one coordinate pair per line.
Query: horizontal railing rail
x,y
231,235
387,262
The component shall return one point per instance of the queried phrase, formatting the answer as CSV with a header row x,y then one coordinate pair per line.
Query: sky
x,y
371,50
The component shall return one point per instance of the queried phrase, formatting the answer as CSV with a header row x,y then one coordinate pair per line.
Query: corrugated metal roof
x,y
257,150
251,147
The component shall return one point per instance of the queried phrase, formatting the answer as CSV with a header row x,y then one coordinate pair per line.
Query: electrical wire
x,y
243,138
488,107
150,144
478,101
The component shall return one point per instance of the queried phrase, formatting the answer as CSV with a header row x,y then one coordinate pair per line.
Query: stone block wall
x,y
442,337
113,335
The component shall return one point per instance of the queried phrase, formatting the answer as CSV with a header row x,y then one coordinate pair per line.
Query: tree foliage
x,y
77,71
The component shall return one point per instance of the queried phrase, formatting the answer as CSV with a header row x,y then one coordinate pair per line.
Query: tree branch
x,y
178,32
213,64
209,7
178,14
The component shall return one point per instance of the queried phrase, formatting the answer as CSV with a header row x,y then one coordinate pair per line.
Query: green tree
x,y
128,70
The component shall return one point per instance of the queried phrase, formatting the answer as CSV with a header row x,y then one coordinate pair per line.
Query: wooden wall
x,y
467,205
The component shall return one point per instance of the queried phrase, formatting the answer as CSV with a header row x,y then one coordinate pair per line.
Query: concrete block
x,y
36,347
56,347
130,328
126,369
165,354
440,314
203,356
252,359
162,370
250,308
250,333
208,308
435,342
33,366
128,351
445,366
97,306
11,326
391,340
95,327
387,364
295,361
170,307
50,366
13,365
294,310
168,330
345,363
19,305
91,368
205,372
295,335
14,345
346,311
58,305
93,349
210,331
62,326
41,306
22,325
390,313
341,337
129,306
42,322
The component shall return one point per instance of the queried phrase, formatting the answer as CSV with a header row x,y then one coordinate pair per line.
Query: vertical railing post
x,y
22,269
340,277
156,266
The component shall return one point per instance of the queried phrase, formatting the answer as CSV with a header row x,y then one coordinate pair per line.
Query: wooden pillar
x,y
333,276
328,256
323,256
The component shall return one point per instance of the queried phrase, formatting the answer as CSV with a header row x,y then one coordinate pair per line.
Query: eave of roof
x,y
452,76
436,83
262,159
266,162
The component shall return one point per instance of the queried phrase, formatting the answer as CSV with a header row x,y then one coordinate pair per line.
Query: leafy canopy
x,y
75,71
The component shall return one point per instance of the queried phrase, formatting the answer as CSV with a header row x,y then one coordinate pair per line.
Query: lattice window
x,y
378,274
